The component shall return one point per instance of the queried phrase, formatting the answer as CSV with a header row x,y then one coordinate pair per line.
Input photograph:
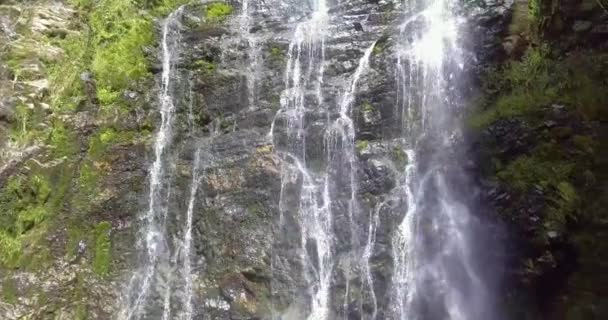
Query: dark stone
x,y
358,26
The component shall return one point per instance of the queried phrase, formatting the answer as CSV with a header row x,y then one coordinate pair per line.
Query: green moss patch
x,y
102,255
523,88
218,12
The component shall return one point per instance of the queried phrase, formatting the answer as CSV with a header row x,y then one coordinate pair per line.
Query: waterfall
x,y
187,242
434,276
433,271
319,190
330,234
313,209
244,24
341,140
153,277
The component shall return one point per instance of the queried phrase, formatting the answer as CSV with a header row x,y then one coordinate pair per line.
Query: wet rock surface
x,y
229,85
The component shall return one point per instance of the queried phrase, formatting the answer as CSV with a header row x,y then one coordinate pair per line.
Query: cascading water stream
x,y
340,140
245,23
307,47
188,308
153,239
304,73
433,276
430,247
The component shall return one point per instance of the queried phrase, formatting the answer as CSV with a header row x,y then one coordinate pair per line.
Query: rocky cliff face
x,y
78,110
538,138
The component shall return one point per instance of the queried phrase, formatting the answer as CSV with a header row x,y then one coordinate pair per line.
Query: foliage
x,y
23,132
206,67
164,7
362,145
534,9
218,11
89,177
9,291
99,143
560,170
381,45
109,42
565,203
277,54
545,167
64,76
62,140
524,87
399,157
107,96
101,260
10,249
367,107
117,62
25,203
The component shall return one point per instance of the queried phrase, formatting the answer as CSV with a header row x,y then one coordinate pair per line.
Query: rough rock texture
x,y
541,169
244,266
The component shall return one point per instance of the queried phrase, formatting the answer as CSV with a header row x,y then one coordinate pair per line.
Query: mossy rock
x,y
218,12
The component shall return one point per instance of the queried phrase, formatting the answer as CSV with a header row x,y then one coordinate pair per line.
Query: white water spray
x,y
153,241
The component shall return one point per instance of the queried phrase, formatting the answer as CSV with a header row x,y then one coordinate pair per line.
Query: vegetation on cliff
x,y
539,120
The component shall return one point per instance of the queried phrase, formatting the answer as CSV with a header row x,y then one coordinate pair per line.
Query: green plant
x,y
24,132
381,45
524,87
121,59
367,107
64,75
362,145
62,140
399,157
81,312
527,171
218,11
99,143
101,260
534,9
206,67
277,54
10,249
9,291
89,177
31,216
106,96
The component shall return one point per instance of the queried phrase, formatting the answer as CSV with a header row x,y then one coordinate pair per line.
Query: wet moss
x,y
9,291
367,107
205,67
361,145
26,203
523,88
218,12
277,55
62,140
102,254
399,157
381,45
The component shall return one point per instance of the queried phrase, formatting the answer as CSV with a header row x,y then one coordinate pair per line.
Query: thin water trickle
x,y
188,306
153,241
244,24
304,70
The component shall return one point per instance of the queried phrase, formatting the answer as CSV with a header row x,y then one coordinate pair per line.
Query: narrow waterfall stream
x,y
153,277
343,245
305,64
